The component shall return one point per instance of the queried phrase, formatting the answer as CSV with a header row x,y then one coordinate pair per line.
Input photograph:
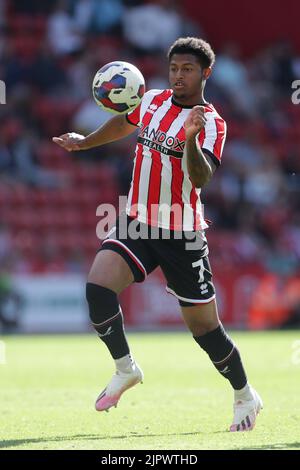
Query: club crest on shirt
x,y
152,108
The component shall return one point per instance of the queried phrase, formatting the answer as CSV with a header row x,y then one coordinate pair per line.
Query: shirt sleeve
x,y
133,117
213,139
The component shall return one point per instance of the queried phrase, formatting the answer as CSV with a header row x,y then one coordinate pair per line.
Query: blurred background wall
x,y
49,53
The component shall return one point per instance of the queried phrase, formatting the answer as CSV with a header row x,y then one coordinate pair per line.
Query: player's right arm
x,y
115,129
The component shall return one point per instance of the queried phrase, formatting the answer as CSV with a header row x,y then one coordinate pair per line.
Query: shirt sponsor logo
x,y
160,141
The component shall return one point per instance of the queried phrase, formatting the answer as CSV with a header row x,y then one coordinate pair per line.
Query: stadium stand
x,y
48,198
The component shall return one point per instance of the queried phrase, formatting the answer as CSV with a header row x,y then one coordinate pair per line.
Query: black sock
x,y
224,356
107,319
113,335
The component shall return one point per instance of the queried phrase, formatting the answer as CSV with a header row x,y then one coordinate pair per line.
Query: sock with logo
x,y
107,319
113,335
224,356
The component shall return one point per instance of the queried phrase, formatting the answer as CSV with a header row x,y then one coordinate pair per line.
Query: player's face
x,y
186,77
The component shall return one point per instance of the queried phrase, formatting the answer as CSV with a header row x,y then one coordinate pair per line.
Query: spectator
x,y
231,75
32,6
88,117
145,33
44,73
283,72
27,169
5,243
63,34
98,16
10,304
255,197
2,12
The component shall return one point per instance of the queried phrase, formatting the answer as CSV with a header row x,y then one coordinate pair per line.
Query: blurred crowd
x,y
49,53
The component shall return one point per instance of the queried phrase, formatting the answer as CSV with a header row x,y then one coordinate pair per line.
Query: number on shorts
x,y
199,264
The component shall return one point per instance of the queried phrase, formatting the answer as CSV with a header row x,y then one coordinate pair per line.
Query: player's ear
x,y
206,73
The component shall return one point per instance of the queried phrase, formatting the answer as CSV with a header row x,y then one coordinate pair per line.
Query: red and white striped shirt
x,y
161,192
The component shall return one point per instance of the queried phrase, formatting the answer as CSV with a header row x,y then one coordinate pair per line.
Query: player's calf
x,y
224,356
107,319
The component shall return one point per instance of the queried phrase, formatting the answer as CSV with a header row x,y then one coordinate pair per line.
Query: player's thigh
x,y
110,270
189,278
201,318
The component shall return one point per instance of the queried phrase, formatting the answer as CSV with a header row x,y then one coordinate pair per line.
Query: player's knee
x,y
103,303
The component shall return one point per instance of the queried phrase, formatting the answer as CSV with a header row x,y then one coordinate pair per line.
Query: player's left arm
x,y
201,166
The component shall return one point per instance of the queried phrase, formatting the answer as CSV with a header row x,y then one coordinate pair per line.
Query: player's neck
x,y
189,102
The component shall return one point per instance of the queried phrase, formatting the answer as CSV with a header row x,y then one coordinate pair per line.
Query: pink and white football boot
x,y
245,413
120,382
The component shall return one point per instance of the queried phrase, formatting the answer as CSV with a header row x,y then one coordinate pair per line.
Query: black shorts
x,y
182,256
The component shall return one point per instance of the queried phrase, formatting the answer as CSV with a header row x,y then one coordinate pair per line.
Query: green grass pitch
x,y
49,384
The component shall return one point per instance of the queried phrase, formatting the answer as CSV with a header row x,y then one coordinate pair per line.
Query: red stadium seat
x,y
23,220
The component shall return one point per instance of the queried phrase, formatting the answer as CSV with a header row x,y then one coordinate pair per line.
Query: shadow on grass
x,y
6,444
281,446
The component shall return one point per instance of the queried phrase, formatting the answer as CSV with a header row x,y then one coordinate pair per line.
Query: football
x,y
118,87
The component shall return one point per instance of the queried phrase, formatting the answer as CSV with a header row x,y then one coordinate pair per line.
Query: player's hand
x,y
195,121
70,141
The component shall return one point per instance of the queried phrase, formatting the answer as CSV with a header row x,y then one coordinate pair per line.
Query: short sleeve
x,y
213,139
133,117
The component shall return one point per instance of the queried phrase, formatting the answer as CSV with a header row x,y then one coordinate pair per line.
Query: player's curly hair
x,y
196,46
